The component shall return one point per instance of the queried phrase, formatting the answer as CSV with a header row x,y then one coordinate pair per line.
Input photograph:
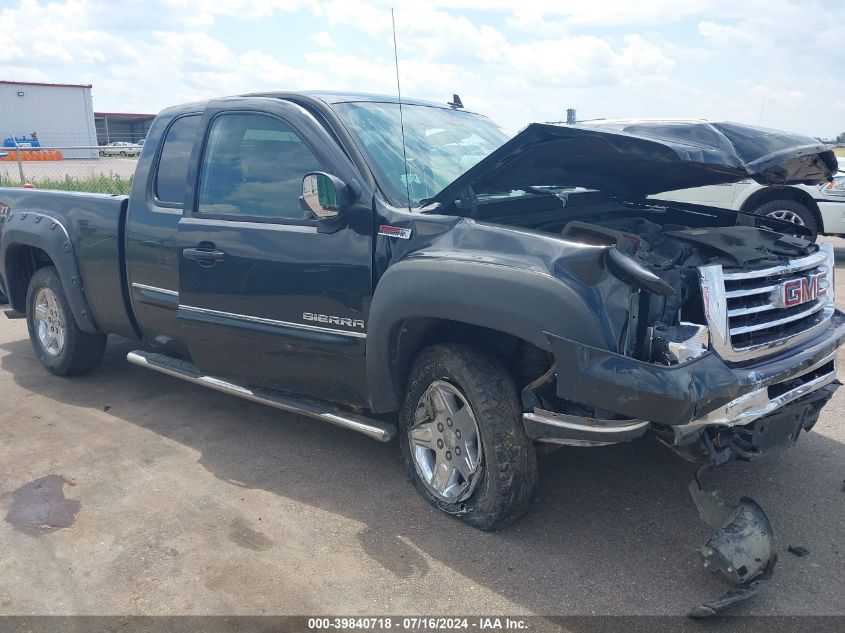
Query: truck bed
x,y
94,224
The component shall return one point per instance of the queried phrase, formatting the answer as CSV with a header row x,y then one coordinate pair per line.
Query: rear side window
x,y
175,157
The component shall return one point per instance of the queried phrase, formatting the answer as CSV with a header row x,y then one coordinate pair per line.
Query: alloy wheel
x,y
49,322
445,443
786,216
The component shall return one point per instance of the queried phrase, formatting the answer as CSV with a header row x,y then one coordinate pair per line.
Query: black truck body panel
x,y
488,276
82,234
152,254
331,309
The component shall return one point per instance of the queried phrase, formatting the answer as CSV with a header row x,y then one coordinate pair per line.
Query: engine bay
x,y
667,243
660,235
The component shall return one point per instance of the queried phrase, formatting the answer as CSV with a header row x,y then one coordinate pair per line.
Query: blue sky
x,y
517,62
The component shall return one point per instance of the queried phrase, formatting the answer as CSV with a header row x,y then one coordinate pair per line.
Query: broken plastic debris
x,y
741,550
740,594
797,550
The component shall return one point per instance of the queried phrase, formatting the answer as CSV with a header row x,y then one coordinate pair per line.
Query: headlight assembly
x,y
835,187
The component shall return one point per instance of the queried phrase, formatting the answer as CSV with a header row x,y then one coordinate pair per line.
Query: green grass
x,y
839,151
102,183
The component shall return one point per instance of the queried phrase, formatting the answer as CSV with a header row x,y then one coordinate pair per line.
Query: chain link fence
x,y
88,168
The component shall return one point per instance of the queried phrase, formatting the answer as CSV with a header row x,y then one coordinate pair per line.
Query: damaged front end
x,y
719,329
721,369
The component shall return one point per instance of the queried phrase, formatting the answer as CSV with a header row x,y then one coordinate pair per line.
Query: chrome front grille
x,y
759,312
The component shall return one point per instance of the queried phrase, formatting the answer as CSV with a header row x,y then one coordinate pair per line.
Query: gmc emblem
x,y
797,291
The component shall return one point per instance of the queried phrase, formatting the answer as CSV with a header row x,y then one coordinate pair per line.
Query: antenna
x,y
401,119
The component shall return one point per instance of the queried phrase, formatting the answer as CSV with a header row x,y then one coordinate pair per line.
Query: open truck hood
x,y
631,160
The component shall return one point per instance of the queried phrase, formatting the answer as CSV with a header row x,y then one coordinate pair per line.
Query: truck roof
x,y
348,97
328,97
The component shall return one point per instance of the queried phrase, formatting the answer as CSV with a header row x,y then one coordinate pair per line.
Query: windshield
x,y
440,144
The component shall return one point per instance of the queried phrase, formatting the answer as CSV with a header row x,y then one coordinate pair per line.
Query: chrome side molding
x,y
275,323
312,408
164,291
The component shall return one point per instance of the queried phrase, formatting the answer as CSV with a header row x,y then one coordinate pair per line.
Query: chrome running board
x,y
317,409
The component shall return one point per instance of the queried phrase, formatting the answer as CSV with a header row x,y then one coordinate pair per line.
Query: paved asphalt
x,y
177,500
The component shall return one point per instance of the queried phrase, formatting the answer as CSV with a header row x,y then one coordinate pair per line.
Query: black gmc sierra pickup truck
x,y
409,270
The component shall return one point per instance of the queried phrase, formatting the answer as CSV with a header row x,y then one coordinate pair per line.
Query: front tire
x,y
60,345
462,441
790,211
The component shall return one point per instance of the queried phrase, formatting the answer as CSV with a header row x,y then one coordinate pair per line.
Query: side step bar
x,y
317,409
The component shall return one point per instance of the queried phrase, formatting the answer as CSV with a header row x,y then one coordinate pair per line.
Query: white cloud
x,y
194,50
644,57
518,61
728,36
10,52
323,39
783,96
364,16
535,14
52,50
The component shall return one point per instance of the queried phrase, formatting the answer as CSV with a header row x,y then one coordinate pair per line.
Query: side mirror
x,y
324,195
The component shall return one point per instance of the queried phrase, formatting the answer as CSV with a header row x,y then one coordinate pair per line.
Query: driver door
x,y
255,267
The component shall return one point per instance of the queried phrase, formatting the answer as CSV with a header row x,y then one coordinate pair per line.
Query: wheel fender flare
x,y
765,195
39,230
523,303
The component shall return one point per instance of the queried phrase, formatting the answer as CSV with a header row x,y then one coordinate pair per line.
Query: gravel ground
x,y
177,500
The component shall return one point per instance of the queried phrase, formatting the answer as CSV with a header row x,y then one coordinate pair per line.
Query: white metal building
x,y
61,115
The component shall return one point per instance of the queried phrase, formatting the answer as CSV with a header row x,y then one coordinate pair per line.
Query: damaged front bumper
x,y
688,398
708,411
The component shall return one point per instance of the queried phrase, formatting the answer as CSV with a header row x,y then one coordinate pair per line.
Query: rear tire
x,y
477,391
58,342
790,211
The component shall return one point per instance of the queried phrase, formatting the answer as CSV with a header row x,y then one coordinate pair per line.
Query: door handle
x,y
204,256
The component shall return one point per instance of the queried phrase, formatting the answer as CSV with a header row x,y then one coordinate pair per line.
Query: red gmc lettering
x,y
810,288
800,291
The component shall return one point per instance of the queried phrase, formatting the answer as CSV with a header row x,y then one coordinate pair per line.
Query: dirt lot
x,y
178,500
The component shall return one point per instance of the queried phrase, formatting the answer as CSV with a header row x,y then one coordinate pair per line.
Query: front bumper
x,y
765,401
702,392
